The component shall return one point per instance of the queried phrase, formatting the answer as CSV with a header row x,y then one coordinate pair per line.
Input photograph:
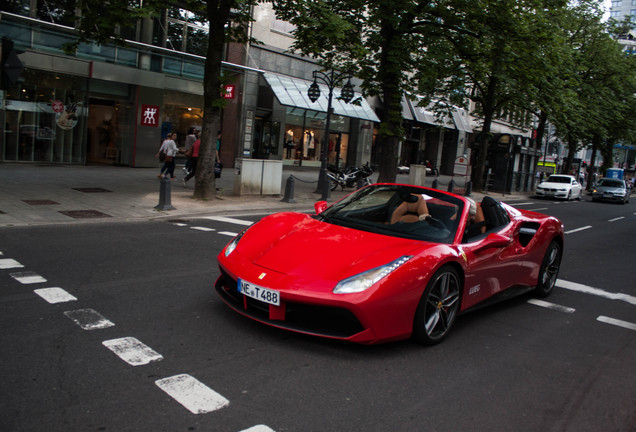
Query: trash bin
x,y
258,176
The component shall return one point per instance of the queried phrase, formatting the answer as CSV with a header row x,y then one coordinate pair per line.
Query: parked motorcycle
x,y
350,177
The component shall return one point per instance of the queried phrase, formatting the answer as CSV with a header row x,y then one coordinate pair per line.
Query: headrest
x,y
472,211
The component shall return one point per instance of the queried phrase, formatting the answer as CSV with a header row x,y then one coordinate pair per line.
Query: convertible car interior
x,y
490,217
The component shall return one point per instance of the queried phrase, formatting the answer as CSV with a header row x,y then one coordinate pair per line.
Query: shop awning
x,y
424,115
292,92
462,122
407,114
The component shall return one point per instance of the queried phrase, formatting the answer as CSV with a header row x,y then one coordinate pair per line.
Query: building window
x,y
281,26
617,3
187,31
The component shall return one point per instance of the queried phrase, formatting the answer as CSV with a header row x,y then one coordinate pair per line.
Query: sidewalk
x,y
63,194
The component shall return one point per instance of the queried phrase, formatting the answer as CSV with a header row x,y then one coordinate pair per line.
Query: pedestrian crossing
x,y
188,391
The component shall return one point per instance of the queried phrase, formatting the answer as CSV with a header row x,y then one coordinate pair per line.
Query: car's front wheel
x,y
438,307
549,270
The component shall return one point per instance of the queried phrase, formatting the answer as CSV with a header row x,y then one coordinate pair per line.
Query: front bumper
x,y
303,317
552,193
608,197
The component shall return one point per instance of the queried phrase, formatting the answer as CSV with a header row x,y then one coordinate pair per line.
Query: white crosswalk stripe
x,y
132,351
55,295
195,396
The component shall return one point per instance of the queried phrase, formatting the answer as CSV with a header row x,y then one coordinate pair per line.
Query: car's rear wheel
x,y
549,270
438,307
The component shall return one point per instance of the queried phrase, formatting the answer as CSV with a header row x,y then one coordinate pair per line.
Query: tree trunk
x,y
205,184
596,140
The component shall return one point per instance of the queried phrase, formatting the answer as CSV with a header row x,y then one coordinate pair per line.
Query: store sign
x,y
229,92
150,115
57,106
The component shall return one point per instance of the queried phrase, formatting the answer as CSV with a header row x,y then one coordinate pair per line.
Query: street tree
x,y
378,41
227,21
603,79
496,55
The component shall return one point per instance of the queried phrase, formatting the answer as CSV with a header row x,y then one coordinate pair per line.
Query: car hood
x,y
299,245
612,189
553,185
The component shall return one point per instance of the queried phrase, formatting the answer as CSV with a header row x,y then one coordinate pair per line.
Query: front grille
x,y
306,318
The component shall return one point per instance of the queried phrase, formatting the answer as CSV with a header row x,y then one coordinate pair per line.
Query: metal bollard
x,y
435,184
164,195
451,186
289,190
469,188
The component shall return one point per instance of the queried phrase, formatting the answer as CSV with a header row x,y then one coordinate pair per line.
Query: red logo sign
x,y
150,115
229,92
57,106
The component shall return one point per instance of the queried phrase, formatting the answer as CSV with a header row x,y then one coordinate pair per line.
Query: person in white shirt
x,y
169,148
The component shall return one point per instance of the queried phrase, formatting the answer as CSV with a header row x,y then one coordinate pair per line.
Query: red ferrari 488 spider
x,y
387,262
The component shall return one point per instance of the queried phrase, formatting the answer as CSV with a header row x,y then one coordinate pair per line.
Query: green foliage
x,y
553,58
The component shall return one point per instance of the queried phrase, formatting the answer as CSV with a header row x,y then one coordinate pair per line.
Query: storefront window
x,y
44,118
181,112
304,137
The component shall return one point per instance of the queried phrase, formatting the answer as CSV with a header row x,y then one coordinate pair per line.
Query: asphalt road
x,y
567,365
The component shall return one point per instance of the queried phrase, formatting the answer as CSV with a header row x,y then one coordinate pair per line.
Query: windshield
x,y
400,211
611,183
559,179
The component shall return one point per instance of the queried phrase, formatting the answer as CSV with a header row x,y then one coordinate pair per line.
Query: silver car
x,y
610,189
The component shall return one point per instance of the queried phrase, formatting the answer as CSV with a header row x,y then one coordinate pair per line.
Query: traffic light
x,y
10,65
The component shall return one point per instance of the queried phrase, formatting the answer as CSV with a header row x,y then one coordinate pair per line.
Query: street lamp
x,y
331,79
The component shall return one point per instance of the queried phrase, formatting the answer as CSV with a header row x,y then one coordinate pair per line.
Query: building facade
x,y
114,105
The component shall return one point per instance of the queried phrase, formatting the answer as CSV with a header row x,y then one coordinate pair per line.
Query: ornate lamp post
x,y
331,79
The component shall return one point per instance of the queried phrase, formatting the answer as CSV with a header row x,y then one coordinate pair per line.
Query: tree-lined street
x,y
564,365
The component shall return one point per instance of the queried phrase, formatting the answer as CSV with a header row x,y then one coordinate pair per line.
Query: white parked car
x,y
560,186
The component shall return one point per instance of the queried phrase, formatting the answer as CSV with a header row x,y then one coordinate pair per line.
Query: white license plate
x,y
259,293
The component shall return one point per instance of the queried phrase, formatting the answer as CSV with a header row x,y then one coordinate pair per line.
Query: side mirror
x,y
320,206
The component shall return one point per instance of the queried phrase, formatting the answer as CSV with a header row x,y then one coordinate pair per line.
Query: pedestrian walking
x,y
191,137
194,158
170,150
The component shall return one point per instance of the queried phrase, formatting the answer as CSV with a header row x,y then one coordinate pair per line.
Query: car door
x,y
575,186
493,264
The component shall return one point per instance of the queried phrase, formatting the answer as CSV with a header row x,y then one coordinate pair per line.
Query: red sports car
x,y
387,262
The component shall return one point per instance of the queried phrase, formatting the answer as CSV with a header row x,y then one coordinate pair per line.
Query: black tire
x,y
438,307
332,185
549,270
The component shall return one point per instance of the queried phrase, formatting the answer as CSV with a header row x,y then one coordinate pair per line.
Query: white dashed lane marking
x,y
132,351
195,396
578,229
616,219
27,277
229,220
202,228
9,263
573,286
617,322
258,428
228,233
55,295
89,319
552,306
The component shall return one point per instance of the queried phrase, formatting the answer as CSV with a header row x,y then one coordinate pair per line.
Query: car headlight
x,y
365,280
232,245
